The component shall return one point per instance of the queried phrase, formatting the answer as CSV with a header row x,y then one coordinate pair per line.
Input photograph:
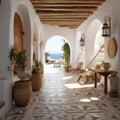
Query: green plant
x,y
36,67
12,55
21,59
18,59
66,53
46,55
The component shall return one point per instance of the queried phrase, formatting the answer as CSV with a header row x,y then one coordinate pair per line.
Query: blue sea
x,y
56,55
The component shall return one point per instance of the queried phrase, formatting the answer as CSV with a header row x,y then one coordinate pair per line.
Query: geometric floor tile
x,y
62,98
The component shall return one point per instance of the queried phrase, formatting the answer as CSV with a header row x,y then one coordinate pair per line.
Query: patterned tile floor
x,y
62,98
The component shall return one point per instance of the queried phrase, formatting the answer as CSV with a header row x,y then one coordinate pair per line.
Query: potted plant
x,y
66,55
12,57
36,78
22,88
17,59
20,61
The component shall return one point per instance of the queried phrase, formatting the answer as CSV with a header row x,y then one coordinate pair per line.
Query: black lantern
x,y
106,29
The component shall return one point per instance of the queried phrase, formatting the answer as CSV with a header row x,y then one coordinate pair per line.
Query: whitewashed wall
x,y
29,18
68,34
7,11
110,7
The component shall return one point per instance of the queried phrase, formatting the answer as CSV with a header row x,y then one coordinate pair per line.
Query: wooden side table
x,y
105,75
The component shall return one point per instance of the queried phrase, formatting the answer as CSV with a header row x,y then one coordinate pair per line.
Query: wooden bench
x,y
2,103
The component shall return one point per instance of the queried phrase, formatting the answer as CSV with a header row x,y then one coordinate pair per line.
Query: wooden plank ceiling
x,y
65,13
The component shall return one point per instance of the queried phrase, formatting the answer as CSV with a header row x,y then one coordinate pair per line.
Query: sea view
x,y
56,55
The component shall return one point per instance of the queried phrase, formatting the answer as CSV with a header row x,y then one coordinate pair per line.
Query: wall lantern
x,y
106,29
82,40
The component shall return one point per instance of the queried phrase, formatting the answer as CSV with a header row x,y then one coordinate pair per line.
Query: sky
x,y
54,45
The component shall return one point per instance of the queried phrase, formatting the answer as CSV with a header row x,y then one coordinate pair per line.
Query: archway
x,y
92,31
99,41
53,47
23,13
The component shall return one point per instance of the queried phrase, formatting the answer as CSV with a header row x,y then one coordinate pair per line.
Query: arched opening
x,y
93,35
23,13
53,49
99,41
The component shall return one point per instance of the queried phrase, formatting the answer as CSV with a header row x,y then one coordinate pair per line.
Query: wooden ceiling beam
x,y
63,17
66,5
66,9
65,13
66,1
63,22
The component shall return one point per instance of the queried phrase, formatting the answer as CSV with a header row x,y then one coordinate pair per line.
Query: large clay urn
x,y
22,91
36,81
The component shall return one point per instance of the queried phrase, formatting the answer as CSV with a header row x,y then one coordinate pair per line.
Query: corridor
x,y
62,98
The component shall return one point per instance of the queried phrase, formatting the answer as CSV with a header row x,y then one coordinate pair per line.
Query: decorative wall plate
x,y
111,48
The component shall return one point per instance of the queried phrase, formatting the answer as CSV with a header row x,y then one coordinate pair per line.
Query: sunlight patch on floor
x,y
73,85
85,100
89,99
77,85
94,98
67,77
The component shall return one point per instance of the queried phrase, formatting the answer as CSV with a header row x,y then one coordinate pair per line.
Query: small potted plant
x,y
36,78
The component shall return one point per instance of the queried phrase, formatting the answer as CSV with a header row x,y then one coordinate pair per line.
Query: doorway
x,y
18,33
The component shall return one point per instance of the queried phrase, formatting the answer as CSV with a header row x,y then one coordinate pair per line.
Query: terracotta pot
x,y
22,92
36,81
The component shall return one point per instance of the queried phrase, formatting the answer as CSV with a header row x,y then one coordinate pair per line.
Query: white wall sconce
x,y
106,29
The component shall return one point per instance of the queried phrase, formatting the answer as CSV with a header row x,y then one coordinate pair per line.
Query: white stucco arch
x,y
68,34
24,14
90,39
66,40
